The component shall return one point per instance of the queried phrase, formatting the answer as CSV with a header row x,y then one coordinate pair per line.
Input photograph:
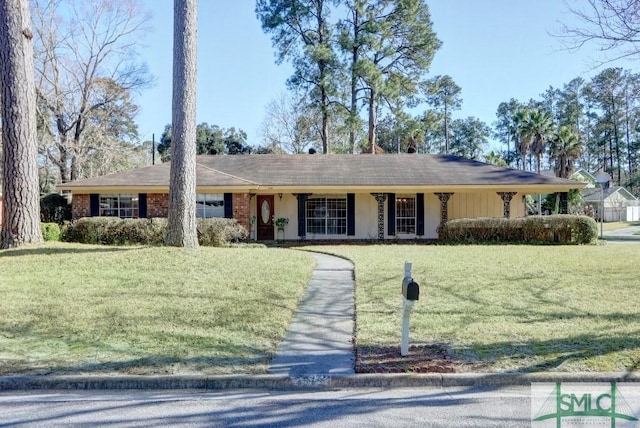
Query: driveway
x,y
625,235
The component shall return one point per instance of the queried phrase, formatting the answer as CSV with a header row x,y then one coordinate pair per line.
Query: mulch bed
x,y
421,359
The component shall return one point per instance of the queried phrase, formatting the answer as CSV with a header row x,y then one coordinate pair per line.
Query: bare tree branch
x,y
86,65
612,25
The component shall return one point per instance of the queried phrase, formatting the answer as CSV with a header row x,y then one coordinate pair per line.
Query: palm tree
x,y
522,134
540,128
564,148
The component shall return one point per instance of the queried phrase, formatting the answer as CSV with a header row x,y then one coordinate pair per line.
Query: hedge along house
x,y
325,197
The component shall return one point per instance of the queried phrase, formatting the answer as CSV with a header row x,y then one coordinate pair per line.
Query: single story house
x,y
323,197
619,203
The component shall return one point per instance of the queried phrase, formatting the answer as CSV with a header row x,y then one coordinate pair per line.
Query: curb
x,y
320,382
621,238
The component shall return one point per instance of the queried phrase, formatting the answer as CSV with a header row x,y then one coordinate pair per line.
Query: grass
x,y
91,309
510,308
615,225
146,310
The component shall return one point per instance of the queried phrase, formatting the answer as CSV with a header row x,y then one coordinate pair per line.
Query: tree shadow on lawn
x,y
73,356
151,365
556,354
48,251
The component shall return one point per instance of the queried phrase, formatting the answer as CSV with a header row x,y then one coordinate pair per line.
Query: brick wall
x,y
80,206
241,209
157,205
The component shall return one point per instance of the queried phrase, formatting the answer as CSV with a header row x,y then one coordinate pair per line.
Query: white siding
x,y
367,217
461,205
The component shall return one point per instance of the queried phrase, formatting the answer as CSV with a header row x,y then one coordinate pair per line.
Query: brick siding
x,y
241,205
157,205
80,206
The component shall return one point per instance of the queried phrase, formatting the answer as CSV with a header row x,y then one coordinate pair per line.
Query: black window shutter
x,y
228,205
351,214
142,205
302,218
94,204
420,214
391,214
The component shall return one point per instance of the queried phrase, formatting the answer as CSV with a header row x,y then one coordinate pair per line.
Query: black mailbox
x,y
410,289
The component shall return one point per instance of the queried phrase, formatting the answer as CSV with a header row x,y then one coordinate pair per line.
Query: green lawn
x,y
92,309
526,308
615,225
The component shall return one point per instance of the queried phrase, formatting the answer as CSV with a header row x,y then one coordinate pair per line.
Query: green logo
x,y
575,406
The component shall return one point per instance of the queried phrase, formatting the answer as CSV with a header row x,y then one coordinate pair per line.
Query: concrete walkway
x,y
319,342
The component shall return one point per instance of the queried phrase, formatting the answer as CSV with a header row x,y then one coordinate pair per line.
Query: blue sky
x,y
494,49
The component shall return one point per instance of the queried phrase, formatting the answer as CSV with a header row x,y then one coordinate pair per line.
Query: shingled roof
x,y
335,171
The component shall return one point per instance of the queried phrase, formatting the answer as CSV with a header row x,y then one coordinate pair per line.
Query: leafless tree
x,y
289,126
181,223
21,206
86,67
613,25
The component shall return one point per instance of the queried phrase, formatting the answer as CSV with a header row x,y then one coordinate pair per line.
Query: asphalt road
x,y
398,407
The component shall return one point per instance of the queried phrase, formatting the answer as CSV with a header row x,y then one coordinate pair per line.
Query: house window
x,y
209,205
123,206
405,215
327,216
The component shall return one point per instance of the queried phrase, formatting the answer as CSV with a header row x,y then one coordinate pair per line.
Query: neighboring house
x,y
340,197
619,203
586,177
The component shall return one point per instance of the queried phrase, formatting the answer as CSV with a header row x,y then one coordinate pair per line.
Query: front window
x,y
123,206
405,215
327,216
210,205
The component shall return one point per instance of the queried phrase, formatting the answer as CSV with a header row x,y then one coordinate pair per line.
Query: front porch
x,y
371,216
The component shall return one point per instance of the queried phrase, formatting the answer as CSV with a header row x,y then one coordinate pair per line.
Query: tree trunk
x,y
616,139
446,128
372,121
628,136
355,51
322,68
325,121
21,207
181,227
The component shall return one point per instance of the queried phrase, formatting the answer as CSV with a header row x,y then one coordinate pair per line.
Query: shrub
x,y
216,232
146,231
51,231
533,229
54,208
91,230
584,229
151,231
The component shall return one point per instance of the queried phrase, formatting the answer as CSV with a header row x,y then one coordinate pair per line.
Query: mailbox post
x,y
410,294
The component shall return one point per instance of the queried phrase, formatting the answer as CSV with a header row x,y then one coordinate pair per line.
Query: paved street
x,y
400,407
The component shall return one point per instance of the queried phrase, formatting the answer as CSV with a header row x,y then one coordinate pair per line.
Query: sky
x,y
494,50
